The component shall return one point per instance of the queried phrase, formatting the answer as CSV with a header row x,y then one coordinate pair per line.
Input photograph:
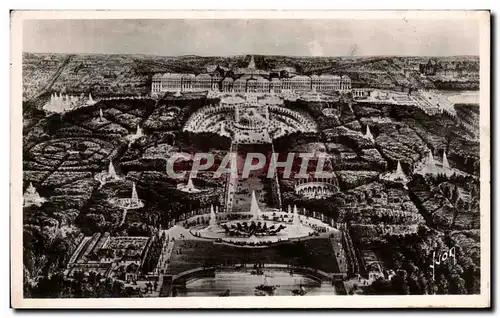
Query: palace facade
x,y
248,83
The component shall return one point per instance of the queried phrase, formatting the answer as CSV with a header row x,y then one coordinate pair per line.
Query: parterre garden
x,y
62,154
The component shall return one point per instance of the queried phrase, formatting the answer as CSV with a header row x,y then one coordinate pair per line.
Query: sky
x,y
219,37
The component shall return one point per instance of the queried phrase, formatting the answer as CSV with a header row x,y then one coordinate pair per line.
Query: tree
x,y
118,289
455,194
443,285
380,286
400,284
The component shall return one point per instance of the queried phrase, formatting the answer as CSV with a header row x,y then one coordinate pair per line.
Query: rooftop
x,y
172,75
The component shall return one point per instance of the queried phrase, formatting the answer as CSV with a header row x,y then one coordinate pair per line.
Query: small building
x,y
131,272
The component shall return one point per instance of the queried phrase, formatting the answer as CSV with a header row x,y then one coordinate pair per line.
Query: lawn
x,y
316,253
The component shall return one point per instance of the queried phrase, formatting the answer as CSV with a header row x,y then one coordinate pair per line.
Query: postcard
x,y
250,159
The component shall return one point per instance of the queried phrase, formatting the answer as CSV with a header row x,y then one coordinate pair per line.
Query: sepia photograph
x,y
263,159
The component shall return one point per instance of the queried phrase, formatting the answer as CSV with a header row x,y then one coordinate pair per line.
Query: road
x,y
49,84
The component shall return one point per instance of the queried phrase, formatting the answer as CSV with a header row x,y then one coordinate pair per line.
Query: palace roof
x,y
329,76
173,75
301,78
203,76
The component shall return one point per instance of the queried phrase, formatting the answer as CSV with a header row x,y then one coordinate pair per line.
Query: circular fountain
x,y
109,176
261,229
189,187
135,137
128,203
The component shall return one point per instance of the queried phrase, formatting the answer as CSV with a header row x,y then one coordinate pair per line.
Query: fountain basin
x,y
240,282
126,203
105,177
290,231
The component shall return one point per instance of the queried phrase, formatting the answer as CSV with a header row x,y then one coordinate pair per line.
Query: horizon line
x,y
254,54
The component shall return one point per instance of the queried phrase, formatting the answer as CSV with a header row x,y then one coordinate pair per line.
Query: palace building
x,y
248,83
